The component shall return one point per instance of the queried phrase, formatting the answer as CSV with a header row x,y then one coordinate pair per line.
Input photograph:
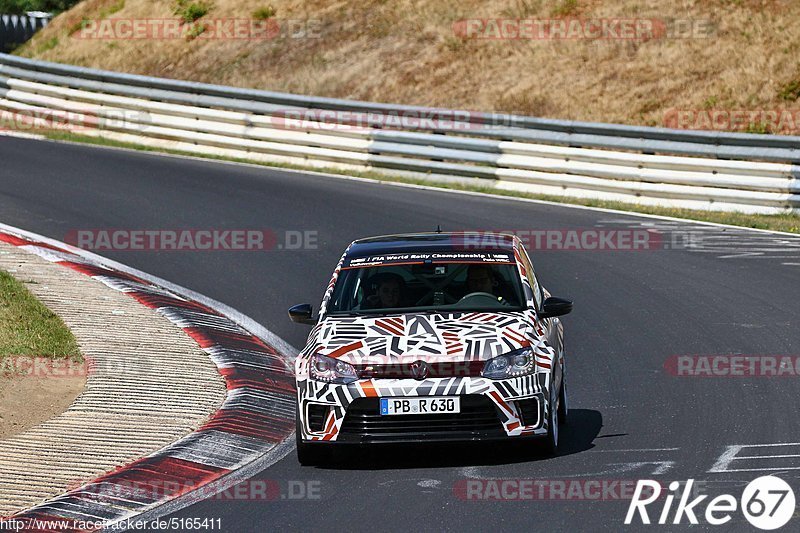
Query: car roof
x,y
476,241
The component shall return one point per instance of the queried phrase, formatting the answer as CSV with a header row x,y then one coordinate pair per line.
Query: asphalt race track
x,y
730,292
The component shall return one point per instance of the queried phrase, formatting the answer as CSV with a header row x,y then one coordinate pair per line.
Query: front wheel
x,y
563,407
553,416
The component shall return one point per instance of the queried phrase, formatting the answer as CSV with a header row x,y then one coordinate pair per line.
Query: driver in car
x,y
389,293
480,278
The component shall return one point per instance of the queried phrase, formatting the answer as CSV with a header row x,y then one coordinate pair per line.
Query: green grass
x,y
522,9
790,91
759,127
191,11
264,13
453,43
195,31
566,8
29,328
710,102
78,26
784,222
113,8
18,7
102,14
49,44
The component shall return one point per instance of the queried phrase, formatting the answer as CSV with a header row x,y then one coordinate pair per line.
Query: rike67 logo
x,y
767,503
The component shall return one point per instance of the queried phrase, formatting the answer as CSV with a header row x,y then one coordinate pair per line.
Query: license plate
x,y
420,406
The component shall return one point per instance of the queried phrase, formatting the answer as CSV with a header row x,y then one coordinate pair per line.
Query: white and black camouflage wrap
x,y
463,340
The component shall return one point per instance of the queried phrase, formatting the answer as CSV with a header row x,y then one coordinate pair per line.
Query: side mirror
x,y
555,307
301,313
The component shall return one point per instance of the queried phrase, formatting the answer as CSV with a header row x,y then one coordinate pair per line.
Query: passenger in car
x,y
389,293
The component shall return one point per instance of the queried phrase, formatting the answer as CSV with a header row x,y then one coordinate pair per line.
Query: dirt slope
x,y
699,57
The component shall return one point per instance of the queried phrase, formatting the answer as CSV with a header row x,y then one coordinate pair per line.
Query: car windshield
x,y
427,282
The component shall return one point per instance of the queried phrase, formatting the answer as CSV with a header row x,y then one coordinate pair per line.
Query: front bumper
x,y
491,409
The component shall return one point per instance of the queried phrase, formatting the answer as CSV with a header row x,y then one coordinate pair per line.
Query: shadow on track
x,y
578,436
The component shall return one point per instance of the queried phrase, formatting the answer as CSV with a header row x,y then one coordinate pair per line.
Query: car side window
x,y
531,275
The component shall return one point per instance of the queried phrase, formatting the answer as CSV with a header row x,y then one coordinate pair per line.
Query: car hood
x,y
475,336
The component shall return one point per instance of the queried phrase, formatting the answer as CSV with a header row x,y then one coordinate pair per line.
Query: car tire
x,y
551,440
563,406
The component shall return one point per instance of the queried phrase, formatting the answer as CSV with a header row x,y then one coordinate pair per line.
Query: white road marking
x,y
732,454
770,469
743,254
770,444
22,135
767,456
661,467
731,243
725,459
638,450
471,472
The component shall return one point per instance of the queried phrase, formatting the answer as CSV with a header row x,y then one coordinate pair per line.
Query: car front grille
x,y
442,369
477,420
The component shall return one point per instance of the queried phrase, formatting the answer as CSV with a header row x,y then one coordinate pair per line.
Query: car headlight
x,y
330,370
513,364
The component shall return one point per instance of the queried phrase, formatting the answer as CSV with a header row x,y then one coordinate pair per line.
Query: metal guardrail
x,y
17,29
730,171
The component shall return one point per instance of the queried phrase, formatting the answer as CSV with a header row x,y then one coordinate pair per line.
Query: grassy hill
x,y
702,57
